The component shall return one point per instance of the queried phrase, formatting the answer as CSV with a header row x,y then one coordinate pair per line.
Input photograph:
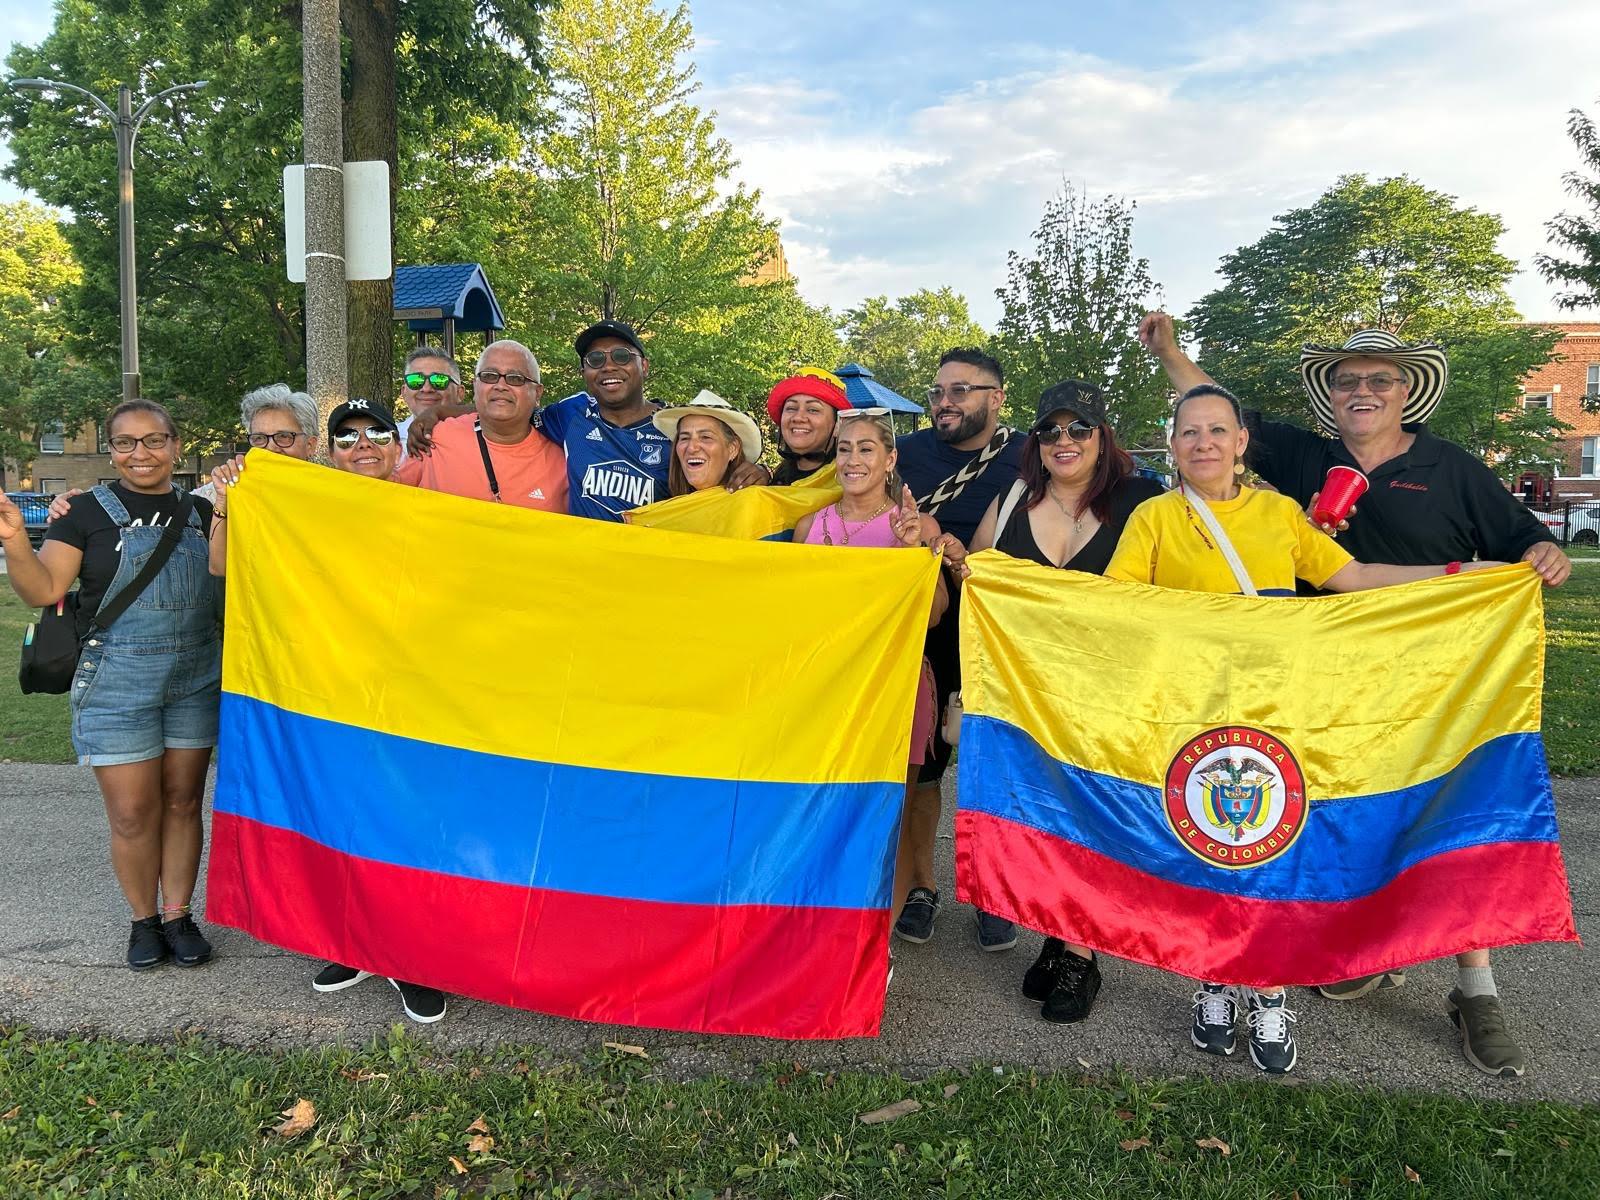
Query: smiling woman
x,y
710,439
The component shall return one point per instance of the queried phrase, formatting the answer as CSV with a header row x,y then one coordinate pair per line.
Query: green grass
x,y
35,728
32,728
102,1118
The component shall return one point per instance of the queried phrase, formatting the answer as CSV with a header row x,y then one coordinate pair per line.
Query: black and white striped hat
x,y
1424,364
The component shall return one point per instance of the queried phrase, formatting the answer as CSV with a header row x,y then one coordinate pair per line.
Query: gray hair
x,y
427,351
508,344
279,396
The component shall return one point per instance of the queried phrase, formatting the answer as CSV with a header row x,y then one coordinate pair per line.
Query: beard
x,y
970,425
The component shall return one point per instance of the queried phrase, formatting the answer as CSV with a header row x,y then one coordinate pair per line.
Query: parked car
x,y
35,508
1573,524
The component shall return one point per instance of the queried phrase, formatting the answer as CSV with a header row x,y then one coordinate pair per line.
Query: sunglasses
x,y
415,379
512,378
346,439
959,391
619,355
1078,431
283,439
124,443
1379,382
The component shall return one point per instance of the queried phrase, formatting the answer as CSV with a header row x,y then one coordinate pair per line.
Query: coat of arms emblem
x,y
1235,796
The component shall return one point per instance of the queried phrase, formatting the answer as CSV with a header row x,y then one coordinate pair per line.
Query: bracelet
x,y
1452,568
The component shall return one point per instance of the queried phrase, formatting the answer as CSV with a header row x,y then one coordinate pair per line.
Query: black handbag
x,y
51,645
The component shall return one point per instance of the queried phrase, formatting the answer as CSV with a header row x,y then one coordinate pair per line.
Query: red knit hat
x,y
808,381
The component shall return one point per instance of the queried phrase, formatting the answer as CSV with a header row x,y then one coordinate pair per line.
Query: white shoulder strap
x,y
1009,507
1240,575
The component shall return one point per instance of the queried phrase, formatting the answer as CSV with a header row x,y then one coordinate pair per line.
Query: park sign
x,y
367,241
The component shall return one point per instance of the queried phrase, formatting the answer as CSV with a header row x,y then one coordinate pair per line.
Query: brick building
x,y
1561,386
82,459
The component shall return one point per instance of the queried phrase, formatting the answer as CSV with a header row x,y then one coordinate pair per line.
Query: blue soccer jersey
x,y
610,468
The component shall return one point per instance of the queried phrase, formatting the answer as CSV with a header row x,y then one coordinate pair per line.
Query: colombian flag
x,y
564,765
764,513
1258,791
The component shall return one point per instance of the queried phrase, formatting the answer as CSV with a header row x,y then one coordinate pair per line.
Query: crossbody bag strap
x,y
170,536
1009,507
952,487
1240,575
488,463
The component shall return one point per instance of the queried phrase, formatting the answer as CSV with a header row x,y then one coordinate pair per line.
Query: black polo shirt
x,y
1433,504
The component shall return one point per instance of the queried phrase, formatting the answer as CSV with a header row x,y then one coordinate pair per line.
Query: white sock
x,y
1476,981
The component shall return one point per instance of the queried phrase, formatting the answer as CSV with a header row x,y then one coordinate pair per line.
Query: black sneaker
x,y
146,947
1216,1010
1075,990
424,1005
1272,1046
188,945
916,918
335,977
995,933
1040,980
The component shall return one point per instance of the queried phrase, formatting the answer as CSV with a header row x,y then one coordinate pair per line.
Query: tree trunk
x,y
370,134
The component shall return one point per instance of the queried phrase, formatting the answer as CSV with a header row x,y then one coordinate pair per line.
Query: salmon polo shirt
x,y
531,474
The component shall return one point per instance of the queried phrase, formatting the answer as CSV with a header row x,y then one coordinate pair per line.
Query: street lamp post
x,y
125,123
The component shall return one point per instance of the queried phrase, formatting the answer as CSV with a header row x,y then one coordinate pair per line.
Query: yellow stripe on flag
x,y
558,639
1116,676
750,513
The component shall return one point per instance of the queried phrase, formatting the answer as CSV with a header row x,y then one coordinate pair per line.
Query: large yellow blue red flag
x,y
768,513
1256,790
562,764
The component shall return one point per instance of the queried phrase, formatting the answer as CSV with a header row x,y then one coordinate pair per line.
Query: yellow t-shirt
x,y
1167,543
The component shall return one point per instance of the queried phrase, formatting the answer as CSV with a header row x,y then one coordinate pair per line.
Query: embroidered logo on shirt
x,y
650,455
1410,487
594,435
536,494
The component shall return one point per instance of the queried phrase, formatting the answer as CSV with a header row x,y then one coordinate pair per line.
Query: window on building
x,y
1591,389
102,443
1540,400
52,485
1586,467
53,440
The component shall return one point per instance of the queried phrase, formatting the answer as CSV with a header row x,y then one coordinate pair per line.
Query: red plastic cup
x,y
1340,491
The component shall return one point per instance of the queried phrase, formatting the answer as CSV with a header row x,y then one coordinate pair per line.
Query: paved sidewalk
x,y
949,1005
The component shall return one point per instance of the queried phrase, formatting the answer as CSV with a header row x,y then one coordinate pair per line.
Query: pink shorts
x,y
922,721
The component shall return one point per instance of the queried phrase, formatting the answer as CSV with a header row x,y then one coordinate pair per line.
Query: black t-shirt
x,y
926,462
87,526
1094,556
790,471
1433,504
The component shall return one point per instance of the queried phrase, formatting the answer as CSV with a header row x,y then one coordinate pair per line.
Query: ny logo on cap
x,y
358,403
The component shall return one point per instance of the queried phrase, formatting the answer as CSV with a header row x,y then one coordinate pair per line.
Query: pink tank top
x,y
877,533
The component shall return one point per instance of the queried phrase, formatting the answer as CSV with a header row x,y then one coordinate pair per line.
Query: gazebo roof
x,y
864,391
425,296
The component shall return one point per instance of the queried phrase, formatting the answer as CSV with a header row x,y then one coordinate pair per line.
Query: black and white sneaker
x,y
335,977
1216,1011
1272,1046
424,1005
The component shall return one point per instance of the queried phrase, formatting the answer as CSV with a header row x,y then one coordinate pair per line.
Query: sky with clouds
x,y
911,146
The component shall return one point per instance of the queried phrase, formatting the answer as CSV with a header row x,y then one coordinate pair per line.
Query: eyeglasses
x,y
512,378
283,439
619,355
124,443
1078,431
415,379
1379,382
346,439
958,391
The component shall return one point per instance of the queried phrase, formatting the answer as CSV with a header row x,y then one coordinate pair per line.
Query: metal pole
x,y
127,284
327,332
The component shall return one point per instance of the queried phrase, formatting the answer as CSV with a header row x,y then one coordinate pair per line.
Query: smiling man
x,y
1428,501
495,453
954,470
431,379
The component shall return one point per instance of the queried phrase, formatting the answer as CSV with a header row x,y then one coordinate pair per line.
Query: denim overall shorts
x,y
154,679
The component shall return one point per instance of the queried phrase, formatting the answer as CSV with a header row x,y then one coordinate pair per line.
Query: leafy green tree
x,y
40,386
1072,309
1578,234
900,343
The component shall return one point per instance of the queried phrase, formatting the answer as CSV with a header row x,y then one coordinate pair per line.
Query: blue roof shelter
x,y
864,391
446,299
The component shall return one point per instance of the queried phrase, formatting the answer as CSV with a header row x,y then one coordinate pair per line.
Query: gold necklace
x,y
844,537
1077,521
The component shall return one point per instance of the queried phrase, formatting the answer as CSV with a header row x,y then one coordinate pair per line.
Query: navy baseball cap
x,y
358,407
613,329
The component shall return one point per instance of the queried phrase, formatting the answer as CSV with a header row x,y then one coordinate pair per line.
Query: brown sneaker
x,y
1485,1041
1354,989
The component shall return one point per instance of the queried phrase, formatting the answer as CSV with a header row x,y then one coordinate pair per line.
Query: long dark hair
x,y
1112,468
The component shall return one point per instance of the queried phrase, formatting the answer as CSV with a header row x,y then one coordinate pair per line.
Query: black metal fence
x,y
1574,522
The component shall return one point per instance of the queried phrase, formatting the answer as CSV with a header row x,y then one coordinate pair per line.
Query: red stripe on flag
x,y
1478,897
786,972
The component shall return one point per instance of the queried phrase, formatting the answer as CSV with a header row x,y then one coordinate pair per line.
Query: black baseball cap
x,y
358,407
614,329
1076,396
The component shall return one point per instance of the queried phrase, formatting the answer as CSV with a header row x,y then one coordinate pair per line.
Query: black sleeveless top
x,y
1094,556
